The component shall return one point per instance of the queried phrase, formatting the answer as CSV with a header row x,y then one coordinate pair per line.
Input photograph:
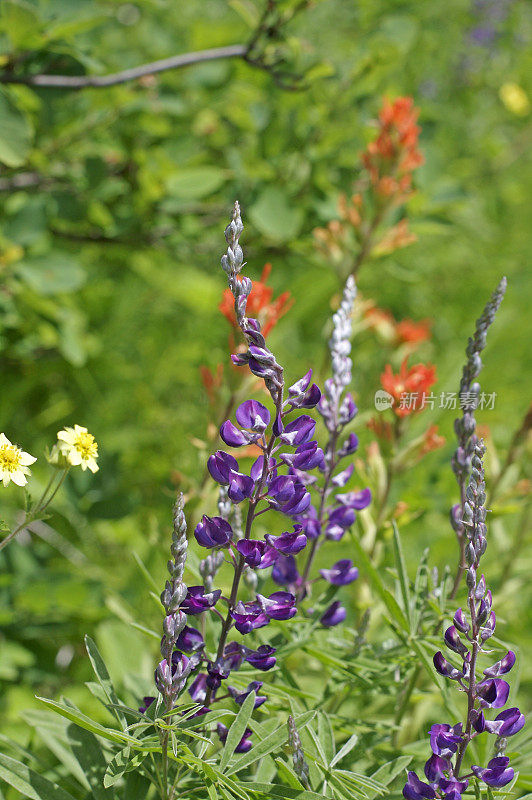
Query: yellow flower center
x,y
9,458
86,445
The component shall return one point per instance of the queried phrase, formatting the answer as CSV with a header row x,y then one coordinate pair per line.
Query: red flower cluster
x,y
409,387
386,182
407,331
392,157
260,304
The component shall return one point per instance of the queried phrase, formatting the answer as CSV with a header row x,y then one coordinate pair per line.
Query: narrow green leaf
x,y
271,790
401,569
90,725
144,569
28,782
89,755
287,774
375,580
102,674
270,743
388,772
122,762
326,736
345,749
236,731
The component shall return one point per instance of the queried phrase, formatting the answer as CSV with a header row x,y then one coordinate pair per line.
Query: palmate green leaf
x,y
28,782
376,582
236,731
104,679
270,743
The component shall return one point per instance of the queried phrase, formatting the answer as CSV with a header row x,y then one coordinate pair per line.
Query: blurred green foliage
x,y
114,201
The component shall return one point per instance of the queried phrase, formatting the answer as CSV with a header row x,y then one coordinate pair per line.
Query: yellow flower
x,y
79,447
14,463
515,99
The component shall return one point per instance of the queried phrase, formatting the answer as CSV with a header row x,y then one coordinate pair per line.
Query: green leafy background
x,y
114,203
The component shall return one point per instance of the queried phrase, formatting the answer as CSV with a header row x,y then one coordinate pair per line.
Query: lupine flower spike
x,y
465,425
330,520
446,775
276,481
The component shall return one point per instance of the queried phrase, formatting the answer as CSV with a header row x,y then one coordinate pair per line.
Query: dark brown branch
x,y
99,82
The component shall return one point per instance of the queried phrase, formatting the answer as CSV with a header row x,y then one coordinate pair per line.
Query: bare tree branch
x,y
98,82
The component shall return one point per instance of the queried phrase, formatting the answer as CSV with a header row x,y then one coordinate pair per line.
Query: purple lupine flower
x,y
240,486
299,431
307,456
501,667
217,671
349,447
252,551
288,543
253,415
335,614
445,668
288,495
147,701
198,687
189,640
302,394
444,739
507,723
417,790
249,616
233,655
341,478
356,500
220,466
279,605
461,622
262,658
341,573
245,743
233,436
286,573
497,773
254,686
213,532
310,523
340,519
493,693
198,600
453,641
258,466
